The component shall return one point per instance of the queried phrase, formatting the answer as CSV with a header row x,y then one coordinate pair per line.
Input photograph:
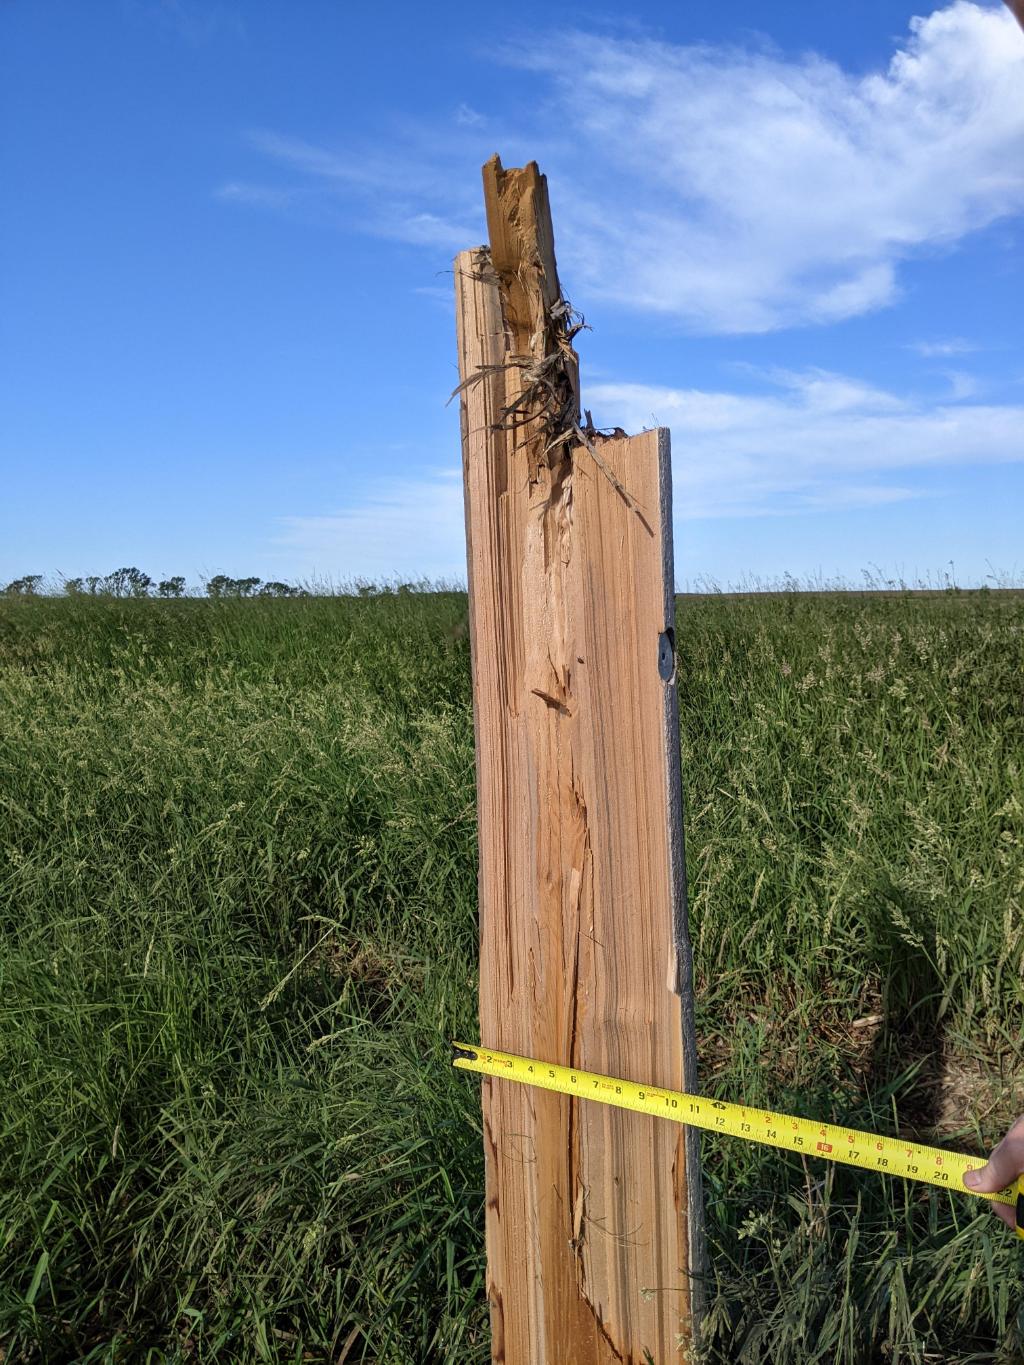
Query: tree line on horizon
x,y
129,582
132,582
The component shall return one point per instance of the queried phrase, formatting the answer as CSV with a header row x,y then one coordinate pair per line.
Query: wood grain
x,y
584,958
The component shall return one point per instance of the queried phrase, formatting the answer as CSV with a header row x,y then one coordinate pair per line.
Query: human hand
x,y
1002,1168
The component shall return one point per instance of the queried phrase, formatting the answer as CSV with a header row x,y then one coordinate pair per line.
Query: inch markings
x,y
808,1137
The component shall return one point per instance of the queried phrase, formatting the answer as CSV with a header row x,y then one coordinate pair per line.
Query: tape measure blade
x,y
788,1132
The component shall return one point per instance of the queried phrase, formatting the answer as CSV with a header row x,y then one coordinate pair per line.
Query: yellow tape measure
x,y
869,1151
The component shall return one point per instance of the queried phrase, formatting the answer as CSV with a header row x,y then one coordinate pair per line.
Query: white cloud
x,y
265,196
385,191
426,229
468,116
406,528
732,189
816,439
811,442
962,384
440,295
753,191
937,349
316,161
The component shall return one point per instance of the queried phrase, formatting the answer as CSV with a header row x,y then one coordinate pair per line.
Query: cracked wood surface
x,y
583,955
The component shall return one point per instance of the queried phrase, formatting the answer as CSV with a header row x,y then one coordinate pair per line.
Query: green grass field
x,y
237,907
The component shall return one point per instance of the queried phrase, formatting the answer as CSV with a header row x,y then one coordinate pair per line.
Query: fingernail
x,y
972,1178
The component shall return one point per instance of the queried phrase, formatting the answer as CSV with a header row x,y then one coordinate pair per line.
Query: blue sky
x,y
226,330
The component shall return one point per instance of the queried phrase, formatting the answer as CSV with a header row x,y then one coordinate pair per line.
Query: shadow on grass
x,y
908,1054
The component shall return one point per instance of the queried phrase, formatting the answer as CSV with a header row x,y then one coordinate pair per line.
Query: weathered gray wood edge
x,y
465,264
683,964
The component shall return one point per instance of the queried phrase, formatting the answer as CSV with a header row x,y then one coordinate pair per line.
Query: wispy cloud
x,y
816,439
962,385
407,528
751,191
440,295
932,350
810,442
468,116
264,196
385,192
316,161
425,229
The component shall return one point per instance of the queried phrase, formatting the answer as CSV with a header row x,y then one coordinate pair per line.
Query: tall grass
x,y
237,927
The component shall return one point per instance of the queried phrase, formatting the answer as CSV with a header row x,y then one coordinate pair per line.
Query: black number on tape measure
x,y
795,1138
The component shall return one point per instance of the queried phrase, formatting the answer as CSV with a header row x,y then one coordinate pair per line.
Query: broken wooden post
x,y
593,1221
